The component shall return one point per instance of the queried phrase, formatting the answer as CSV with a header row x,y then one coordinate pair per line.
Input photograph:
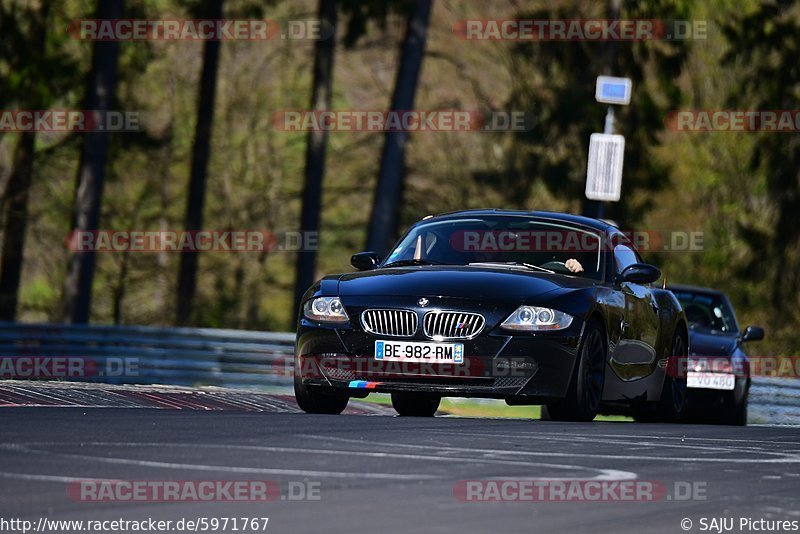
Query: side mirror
x,y
640,273
365,261
753,333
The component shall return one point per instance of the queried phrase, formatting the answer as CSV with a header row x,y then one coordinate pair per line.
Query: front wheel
x,y
415,404
673,406
588,378
736,414
319,400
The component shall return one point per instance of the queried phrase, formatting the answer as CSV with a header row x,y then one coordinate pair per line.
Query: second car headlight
x,y
536,319
325,310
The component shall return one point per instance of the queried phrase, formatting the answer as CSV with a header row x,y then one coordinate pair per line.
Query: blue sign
x,y
611,90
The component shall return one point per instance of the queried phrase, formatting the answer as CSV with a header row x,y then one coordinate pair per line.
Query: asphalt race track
x,y
371,471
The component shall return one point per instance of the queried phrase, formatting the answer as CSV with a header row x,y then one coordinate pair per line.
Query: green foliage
x,y
555,81
741,190
767,40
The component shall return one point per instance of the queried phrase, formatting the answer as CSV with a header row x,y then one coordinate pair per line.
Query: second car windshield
x,y
707,312
540,244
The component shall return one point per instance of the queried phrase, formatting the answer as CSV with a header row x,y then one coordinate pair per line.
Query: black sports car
x,y
718,368
530,307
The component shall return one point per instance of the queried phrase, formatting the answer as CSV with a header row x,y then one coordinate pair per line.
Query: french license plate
x,y
418,351
710,380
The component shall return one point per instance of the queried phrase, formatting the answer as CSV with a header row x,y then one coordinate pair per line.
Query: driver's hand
x,y
574,266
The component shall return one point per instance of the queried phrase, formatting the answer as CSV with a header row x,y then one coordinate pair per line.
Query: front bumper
x,y
711,401
530,368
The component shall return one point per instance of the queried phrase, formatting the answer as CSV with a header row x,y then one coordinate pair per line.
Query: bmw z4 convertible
x,y
530,307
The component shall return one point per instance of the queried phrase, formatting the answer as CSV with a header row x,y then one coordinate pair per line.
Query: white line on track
x,y
603,474
640,436
786,459
50,478
577,438
225,468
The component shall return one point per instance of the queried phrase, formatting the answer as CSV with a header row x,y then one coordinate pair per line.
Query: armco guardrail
x,y
144,355
205,356
775,400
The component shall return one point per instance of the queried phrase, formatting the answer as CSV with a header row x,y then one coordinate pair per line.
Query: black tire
x,y
736,415
674,404
588,378
315,399
415,404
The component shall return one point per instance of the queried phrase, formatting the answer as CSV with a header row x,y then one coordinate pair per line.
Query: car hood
x,y
500,283
705,344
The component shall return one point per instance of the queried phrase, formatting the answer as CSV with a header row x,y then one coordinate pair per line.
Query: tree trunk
x,y
389,191
315,148
15,212
187,274
92,170
16,221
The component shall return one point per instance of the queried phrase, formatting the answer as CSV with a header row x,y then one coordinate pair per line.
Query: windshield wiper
x,y
403,263
522,263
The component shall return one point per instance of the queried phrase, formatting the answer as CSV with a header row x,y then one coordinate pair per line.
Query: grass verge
x,y
486,408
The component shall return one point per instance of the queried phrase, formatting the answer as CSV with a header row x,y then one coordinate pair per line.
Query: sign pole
x,y
608,129
606,150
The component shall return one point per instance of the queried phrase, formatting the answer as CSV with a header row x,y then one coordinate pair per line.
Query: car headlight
x,y
536,319
325,310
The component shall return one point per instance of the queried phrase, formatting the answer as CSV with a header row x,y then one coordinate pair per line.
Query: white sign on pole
x,y
604,172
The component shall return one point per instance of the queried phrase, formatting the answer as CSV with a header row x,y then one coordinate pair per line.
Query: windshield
x,y
536,244
707,312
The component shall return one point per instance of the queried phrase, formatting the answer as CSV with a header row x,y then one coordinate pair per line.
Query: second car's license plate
x,y
404,351
710,380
